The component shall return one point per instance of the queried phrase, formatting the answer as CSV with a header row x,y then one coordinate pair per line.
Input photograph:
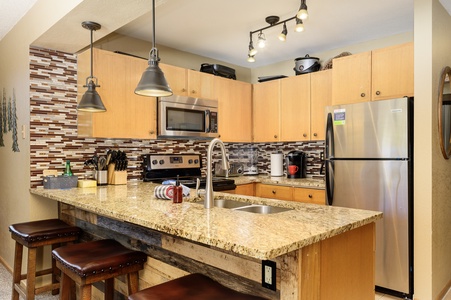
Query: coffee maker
x,y
296,164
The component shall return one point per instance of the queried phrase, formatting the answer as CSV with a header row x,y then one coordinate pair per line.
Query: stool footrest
x,y
38,273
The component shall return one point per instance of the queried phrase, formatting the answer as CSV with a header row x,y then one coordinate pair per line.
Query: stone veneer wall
x,y
53,128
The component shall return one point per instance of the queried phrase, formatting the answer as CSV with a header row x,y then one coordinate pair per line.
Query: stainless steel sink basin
x,y
226,203
243,206
262,209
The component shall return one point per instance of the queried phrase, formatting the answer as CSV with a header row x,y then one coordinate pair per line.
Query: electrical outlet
x,y
269,274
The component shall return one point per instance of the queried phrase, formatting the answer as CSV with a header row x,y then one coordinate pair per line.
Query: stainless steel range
x,y
160,167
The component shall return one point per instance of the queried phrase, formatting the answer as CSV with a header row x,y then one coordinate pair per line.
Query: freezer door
x,y
377,129
380,186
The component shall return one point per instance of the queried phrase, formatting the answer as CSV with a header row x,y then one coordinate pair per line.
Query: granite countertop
x,y
255,235
282,180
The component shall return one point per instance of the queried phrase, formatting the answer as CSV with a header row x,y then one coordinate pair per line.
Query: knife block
x,y
116,177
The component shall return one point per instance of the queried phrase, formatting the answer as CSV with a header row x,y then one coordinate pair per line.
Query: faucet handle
x,y
199,192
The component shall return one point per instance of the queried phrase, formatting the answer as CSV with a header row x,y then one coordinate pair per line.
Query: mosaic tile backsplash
x,y
53,129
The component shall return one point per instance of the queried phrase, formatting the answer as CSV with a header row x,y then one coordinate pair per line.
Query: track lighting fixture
x,y
153,83
91,102
283,34
301,15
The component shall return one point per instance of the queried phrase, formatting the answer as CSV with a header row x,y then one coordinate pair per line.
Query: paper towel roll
x,y
276,164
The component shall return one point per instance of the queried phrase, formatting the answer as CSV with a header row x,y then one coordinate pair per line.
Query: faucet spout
x,y
208,201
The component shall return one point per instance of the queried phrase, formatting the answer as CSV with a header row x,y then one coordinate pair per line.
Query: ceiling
x,y
11,12
220,29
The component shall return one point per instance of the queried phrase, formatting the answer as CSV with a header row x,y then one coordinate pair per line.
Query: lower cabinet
x,y
281,192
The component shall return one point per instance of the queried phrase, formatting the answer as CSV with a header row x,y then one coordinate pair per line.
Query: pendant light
x,y
91,102
153,83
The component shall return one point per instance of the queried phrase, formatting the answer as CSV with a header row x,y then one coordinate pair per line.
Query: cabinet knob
x,y
304,135
183,90
362,95
275,136
274,192
310,196
193,92
315,134
378,93
152,132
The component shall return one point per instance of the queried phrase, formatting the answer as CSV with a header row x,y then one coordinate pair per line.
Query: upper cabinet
x,y
377,75
320,98
235,110
176,78
265,108
128,115
295,108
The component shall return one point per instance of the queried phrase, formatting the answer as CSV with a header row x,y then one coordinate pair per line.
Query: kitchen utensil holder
x,y
117,177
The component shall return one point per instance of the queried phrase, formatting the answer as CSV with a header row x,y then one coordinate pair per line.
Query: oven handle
x,y
207,121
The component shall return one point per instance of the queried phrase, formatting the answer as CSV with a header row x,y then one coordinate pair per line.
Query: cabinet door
x,y
128,115
351,79
295,108
274,191
392,72
266,111
235,110
201,85
245,189
309,196
320,97
176,78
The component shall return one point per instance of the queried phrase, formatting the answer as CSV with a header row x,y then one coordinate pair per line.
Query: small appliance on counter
x,y
161,167
252,161
296,162
276,164
218,70
235,169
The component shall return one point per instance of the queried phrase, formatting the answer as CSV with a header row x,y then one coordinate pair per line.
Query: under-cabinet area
x,y
280,110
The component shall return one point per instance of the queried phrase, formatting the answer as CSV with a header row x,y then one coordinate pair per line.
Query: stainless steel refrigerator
x,y
369,165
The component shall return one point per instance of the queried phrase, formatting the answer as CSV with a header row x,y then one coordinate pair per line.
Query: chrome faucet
x,y
208,201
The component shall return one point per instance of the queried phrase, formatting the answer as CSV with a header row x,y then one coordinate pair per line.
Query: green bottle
x,y
67,170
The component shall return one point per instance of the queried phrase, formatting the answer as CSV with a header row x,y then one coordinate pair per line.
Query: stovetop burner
x,y
161,167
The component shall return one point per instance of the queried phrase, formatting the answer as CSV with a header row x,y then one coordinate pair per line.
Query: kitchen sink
x,y
262,209
243,206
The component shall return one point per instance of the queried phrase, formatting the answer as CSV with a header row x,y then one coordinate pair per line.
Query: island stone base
x,y
341,267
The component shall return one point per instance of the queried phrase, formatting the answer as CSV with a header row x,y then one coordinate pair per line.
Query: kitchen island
x,y
320,252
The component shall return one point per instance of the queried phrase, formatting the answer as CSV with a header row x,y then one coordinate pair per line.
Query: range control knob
x,y
161,162
190,161
154,162
196,161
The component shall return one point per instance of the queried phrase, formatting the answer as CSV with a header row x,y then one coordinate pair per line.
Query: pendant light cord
x,y
92,57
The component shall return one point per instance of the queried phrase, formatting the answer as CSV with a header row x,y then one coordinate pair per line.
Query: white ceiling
x,y
11,11
219,29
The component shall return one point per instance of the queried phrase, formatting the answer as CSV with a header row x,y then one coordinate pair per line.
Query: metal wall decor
x,y
8,120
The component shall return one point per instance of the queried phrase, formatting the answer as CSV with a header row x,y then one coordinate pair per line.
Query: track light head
x,y
299,25
283,34
302,13
261,40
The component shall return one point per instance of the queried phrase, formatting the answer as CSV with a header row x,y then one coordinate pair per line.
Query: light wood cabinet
x,y
274,191
176,78
309,196
235,110
245,189
295,108
201,85
377,75
265,108
320,98
128,115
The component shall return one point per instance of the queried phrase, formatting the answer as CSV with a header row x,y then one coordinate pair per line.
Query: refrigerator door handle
x,y
330,152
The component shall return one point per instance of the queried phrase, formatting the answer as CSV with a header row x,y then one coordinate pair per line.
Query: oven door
x,y
180,117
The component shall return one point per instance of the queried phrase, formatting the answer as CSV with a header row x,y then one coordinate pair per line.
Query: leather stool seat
x,y
90,262
33,235
191,287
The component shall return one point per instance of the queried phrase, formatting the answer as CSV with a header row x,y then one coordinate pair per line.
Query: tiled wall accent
x,y
53,128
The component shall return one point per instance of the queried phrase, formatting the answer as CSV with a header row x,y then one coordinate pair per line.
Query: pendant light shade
x,y
153,83
91,102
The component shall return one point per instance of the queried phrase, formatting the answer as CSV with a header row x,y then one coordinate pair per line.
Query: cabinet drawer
x,y
309,196
245,189
274,192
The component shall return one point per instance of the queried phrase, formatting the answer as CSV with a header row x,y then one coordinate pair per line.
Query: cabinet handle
x,y
310,196
304,135
315,134
378,93
362,95
274,192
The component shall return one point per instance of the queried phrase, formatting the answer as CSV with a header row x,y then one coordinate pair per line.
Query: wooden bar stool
x,y
191,287
33,235
90,262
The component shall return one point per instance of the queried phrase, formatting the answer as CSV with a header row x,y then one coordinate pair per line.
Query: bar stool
x,y
191,287
90,262
33,235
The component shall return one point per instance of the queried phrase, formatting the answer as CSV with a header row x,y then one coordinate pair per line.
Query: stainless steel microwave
x,y
186,117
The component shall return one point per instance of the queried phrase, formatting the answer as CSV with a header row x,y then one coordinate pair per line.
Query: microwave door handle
x,y
207,121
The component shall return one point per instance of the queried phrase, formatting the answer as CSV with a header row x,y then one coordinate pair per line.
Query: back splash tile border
x,y
53,129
